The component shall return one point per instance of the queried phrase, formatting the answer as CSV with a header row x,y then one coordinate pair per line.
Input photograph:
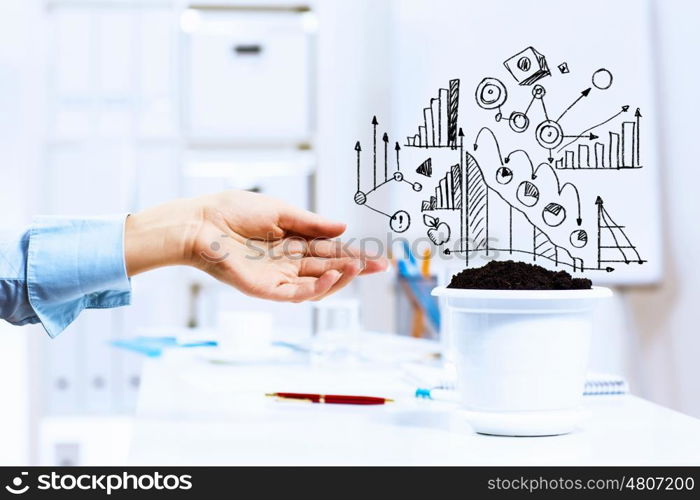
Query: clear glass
x,y
336,327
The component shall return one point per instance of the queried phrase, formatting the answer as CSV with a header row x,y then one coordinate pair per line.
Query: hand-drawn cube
x,y
527,66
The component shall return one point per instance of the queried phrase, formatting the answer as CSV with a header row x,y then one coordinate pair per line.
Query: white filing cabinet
x,y
247,76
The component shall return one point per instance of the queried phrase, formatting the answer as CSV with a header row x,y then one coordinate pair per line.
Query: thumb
x,y
308,224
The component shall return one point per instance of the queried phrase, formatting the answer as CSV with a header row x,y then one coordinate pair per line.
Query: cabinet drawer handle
x,y
247,50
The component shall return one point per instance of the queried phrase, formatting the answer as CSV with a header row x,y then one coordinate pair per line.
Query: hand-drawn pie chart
x,y
504,175
553,214
528,194
579,238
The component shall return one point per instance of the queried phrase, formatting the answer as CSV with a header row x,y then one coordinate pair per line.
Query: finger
x,y
375,265
337,249
350,272
308,224
306,288
316,266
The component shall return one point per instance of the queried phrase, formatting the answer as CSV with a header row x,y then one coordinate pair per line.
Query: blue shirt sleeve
x,y
59,267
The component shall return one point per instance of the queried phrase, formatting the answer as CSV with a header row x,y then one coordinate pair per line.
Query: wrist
x,y
160,236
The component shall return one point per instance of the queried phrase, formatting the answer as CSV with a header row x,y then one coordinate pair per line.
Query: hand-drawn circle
x,y
579,238
400,221
528,194
491,93
519,122
553,214
417,186
498,117
538,91
602,79
504,175
360,198
549,134
524,64
398,176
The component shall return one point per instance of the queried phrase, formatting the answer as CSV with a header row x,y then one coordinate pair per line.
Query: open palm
x,y
272,250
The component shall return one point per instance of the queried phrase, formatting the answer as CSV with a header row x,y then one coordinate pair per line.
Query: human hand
x,y
260,245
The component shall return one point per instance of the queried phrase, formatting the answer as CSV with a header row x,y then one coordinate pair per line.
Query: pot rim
x,y
596,292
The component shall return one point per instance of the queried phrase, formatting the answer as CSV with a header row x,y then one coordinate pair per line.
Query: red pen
x,y
333,399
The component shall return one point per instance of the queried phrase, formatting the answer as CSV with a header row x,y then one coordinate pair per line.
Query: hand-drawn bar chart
x,y
620,152
439,127
448,193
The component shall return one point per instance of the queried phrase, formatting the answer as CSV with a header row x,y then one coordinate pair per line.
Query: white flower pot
x,y
521,356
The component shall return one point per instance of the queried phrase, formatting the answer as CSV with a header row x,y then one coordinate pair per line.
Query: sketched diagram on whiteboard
x,y
400,220
486,191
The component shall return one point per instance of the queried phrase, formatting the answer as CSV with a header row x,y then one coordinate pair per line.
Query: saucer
x,y
526,423
271,354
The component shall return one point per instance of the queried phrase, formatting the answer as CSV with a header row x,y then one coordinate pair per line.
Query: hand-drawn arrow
x,y
498,147
638,115
590,136
584,93
358,149
624,109
579,220
374,162
397,148
465,190
599,205
385,138
527,157
534,172
578,201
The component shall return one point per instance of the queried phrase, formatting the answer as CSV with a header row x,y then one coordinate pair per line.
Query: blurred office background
x,y
110,106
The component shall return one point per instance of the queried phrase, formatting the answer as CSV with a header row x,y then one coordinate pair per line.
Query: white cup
x,y
244,333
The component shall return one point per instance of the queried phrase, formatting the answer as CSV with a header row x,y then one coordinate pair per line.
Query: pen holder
x,y
521,356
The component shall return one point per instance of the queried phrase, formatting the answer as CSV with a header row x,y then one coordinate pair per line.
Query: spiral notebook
x,y
604,384
430,379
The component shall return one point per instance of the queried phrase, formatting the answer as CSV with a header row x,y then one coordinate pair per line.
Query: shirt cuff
x,y
75,264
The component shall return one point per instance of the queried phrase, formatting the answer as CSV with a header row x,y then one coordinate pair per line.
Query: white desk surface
x,y
192,412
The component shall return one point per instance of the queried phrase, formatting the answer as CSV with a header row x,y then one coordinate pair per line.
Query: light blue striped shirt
x,y
59,266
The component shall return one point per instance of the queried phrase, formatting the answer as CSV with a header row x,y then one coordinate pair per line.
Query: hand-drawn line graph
x,y
543,218
618,248
477,223
528,195
529,66
477,227
400,221
439,129
622,149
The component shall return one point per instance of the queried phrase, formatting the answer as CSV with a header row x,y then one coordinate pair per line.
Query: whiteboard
x,y
619,195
